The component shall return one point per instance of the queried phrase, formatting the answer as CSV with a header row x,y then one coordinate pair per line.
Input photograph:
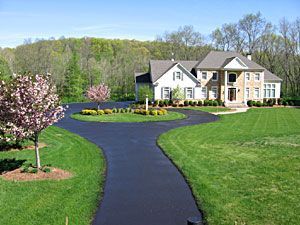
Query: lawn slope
x,y
49,202
243,168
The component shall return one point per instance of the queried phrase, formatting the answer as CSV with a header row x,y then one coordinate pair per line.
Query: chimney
x,y
249,56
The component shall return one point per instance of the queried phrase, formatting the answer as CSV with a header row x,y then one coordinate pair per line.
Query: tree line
x,y
77,64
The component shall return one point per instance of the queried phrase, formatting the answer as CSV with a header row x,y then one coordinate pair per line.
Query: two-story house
x,y
228,76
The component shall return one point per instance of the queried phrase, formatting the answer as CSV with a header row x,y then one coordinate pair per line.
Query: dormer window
x,y
232,77
204,76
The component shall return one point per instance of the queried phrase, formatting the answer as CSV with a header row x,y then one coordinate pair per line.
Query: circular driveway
x,y
142,186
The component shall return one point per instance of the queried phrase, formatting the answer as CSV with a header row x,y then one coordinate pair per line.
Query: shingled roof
x,y
213,60
160,67
217,59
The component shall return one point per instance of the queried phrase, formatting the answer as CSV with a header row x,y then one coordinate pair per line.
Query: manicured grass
x,y
49,202
128,117
243,168
210,109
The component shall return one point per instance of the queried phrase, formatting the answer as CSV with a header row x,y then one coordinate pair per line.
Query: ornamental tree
x,y
29,105
98,94
177,94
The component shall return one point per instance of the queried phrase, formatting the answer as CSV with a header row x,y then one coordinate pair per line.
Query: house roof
x,y
142,77
270,76
213,60
218,59
160,67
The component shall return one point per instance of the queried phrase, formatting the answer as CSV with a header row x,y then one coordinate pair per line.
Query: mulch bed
x,y
55,174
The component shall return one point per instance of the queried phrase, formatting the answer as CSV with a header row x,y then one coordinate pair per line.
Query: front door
x,y
231,94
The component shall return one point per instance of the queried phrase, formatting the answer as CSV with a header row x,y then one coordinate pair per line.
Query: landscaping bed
x,y
75,182
244,168
127,115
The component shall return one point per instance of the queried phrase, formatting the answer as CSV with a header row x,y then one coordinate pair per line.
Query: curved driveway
x,y
142,186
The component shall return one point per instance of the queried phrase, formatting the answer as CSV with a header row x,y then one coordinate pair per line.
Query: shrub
x,y
279,101
160,113
137,111
291,103
91,112
265,104
186,103
170,102
191,103
250,103
164,111
200,103
285,102
181,105
175,105
166,102
114,110
194,103
107,111
100,112
128,110
258,104
119,110
153,112
161,104
123,110
215,103
220,102
145,112
206,102
155,103
270,102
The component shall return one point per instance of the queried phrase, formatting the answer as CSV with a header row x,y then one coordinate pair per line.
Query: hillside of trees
x,y
75,64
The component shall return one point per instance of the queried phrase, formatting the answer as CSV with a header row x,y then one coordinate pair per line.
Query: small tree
x,y
177,94
98,94
30,104
145,91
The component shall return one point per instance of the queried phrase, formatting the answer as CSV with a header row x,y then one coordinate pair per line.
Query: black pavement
x,y
142,186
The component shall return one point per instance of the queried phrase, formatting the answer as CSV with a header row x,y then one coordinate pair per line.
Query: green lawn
x,y
128,117
211,109
243,168
49,202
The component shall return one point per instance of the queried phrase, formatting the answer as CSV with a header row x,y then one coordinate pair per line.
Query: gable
x,y
234,63
170,76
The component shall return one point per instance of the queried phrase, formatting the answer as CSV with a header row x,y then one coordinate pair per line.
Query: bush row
x,y
165,103
270,102
152,112
95,112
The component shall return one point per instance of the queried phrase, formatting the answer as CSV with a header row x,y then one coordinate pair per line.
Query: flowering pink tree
x,y
30,104
98,94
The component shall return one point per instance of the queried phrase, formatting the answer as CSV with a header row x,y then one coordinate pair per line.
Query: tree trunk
x,y
36,146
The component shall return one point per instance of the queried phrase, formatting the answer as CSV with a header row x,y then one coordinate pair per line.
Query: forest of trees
x,y
76,64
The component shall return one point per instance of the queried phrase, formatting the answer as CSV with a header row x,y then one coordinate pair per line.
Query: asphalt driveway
x,y
142,186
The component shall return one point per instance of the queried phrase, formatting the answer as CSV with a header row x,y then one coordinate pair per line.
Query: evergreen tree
x,y
73,85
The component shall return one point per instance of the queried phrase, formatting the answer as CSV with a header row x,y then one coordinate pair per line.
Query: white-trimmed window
x,y
166,92
215,76
178,75
247,76
231,77
204,92
247,93
257,77
269,90
256,93
204,76
214,92
189,93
